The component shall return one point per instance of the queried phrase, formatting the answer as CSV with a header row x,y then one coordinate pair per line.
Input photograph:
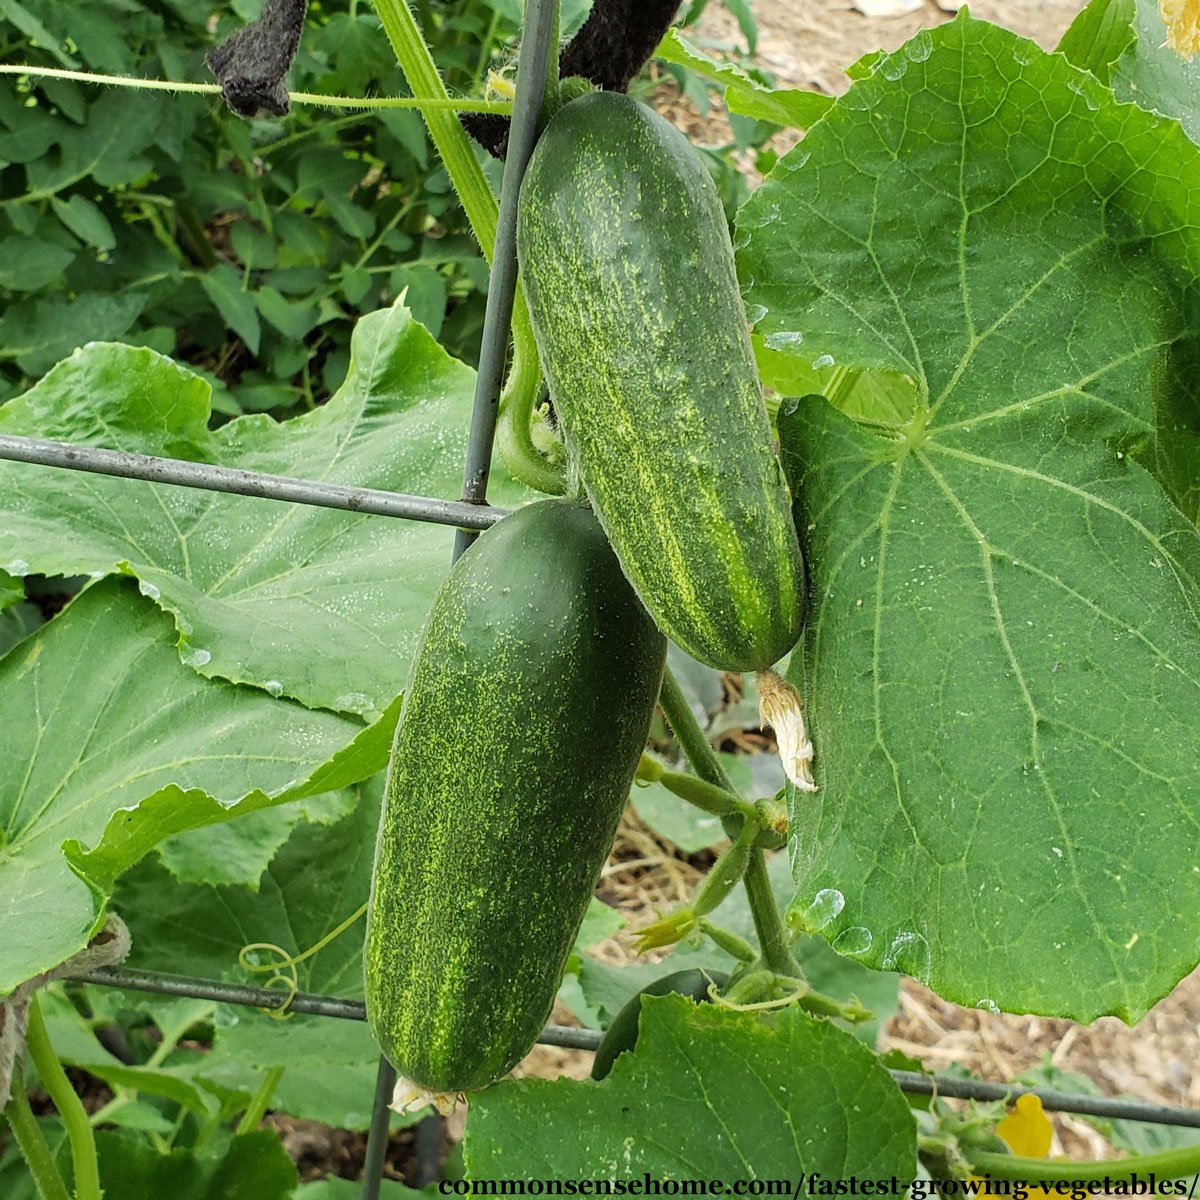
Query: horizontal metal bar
x,y
1072,1102
588,1039
260,484
166,984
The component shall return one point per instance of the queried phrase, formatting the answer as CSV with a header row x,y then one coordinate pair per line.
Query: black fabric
x,y
251,65
617,40
611,47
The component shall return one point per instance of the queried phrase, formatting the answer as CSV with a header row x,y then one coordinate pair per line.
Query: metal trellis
x,y
469,516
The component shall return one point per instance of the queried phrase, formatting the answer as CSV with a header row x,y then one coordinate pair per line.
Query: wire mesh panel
x,y
469,515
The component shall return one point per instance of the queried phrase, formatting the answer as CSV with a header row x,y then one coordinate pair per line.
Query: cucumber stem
x,y
70,1107
772,936
257,1108
1166,1164
36,1152
691,737
707,797
520,392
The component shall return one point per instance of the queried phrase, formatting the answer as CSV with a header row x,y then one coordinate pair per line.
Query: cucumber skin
x,y
629,273
527,709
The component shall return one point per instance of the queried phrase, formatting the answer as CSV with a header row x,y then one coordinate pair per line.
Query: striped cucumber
x,y
629,273
527,709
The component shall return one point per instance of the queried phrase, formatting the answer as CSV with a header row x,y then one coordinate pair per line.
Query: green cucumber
x,y
629,273
527,710
622,1034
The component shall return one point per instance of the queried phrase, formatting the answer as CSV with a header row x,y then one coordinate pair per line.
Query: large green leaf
x,y
1002,665
708,1093
314,883
320,605
111,745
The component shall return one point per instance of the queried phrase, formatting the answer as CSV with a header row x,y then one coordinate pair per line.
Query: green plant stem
x,y
70,1107
691,737
454,148
772,936
33,1146
257,1108
1166,1164
707,797
449,137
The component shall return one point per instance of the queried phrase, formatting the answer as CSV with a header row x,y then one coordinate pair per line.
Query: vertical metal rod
x,y
497,325
377,1135
502,283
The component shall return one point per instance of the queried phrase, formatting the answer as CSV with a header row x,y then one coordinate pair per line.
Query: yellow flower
x,y
1026,1130
1183,25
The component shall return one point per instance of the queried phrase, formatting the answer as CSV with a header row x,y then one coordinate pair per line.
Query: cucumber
x,y
629,273
527,709
622,1034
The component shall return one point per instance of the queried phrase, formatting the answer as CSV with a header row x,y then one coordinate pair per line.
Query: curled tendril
x,y
284,976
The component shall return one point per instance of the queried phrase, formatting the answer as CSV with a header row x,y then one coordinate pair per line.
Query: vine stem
x,y
524,381
772,937
70,1107
499,107
257,1107
1166,1164
706,796
33,1146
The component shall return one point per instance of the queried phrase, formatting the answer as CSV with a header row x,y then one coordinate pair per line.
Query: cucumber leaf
x,y
1002,664
789,107
319,605
314,883
705,1092
111,745
248,1166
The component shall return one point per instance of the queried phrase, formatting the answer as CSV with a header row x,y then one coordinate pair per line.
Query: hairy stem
x,y
772,936
691,737
33,1146
1166,1164
707,797
70,1107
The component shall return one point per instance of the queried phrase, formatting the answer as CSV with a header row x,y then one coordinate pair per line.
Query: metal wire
x,y
912,1082
502,282
1092,1106
181,473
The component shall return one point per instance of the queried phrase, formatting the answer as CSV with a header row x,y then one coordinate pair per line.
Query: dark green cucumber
x,y
527,709
622,1034
629,272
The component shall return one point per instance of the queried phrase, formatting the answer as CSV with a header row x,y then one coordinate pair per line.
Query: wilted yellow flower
x,y
779,707
1183,25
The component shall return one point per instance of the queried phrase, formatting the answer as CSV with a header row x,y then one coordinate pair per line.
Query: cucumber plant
x,y
973,296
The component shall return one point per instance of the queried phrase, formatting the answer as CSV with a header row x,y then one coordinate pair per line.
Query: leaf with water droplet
x,y
991,651
328,602
135,747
